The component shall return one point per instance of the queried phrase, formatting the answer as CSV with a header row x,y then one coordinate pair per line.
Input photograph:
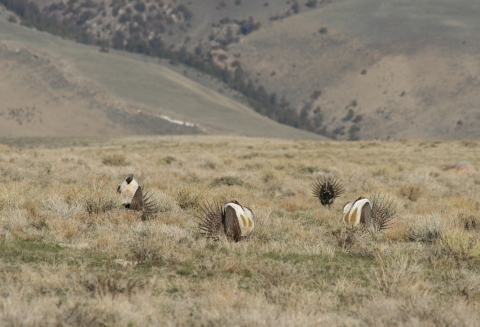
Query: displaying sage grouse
x,y
383,211
358,212
135,199
231,219
327,189
377,213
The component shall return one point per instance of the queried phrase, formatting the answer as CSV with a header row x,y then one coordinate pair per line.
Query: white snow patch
x,y
176,121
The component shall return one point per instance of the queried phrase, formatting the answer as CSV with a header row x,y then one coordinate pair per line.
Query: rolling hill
x,y
347,69
51,86
385,69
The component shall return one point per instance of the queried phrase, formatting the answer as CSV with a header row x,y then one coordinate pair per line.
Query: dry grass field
x,y
70,255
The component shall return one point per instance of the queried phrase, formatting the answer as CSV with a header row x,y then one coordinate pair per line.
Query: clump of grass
x,y
47,167
189,197
358,239
250,155
428,228
144,248
10,174
412,191
113,286
397,274
38,223
470,144
270,174
61,208
101,202
264,226
169,160
227,180
208,165
382,171
164,203
84,313
309,169
460,245
14,195
115,160
466,284
469,219
33,208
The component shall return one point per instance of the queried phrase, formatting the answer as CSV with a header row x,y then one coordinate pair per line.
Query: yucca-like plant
x,y
383,212
327,189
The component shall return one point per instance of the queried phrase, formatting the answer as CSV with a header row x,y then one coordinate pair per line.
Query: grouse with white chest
x,y
231,219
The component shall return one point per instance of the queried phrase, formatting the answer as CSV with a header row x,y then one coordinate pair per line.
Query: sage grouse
x,y
232,220
377,213
135,199
358,212
326,189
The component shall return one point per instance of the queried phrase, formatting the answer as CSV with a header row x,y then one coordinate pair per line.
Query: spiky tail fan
x,y
145,203
326,189
150,206
210,216
383,212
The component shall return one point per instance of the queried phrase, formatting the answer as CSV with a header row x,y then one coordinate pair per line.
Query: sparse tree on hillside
x,y
140,6
273,99
187,14
137,44
118,41
295,7
311,3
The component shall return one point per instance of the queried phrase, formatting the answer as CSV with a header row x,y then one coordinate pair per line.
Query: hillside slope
x,y
52,86
347,69
384,69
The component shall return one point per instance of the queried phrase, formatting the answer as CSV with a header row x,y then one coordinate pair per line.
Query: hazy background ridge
x,y
73,89
363,69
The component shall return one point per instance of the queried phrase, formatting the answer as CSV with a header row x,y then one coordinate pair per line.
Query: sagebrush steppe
x,y
71,256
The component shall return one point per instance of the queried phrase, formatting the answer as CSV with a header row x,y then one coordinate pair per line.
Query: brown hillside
x,y
405,70
356,69
51,86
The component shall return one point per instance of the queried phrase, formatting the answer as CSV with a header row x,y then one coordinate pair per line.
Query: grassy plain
x,y
70,256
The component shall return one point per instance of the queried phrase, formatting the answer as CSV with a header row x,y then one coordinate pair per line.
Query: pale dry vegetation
x,y
70,255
